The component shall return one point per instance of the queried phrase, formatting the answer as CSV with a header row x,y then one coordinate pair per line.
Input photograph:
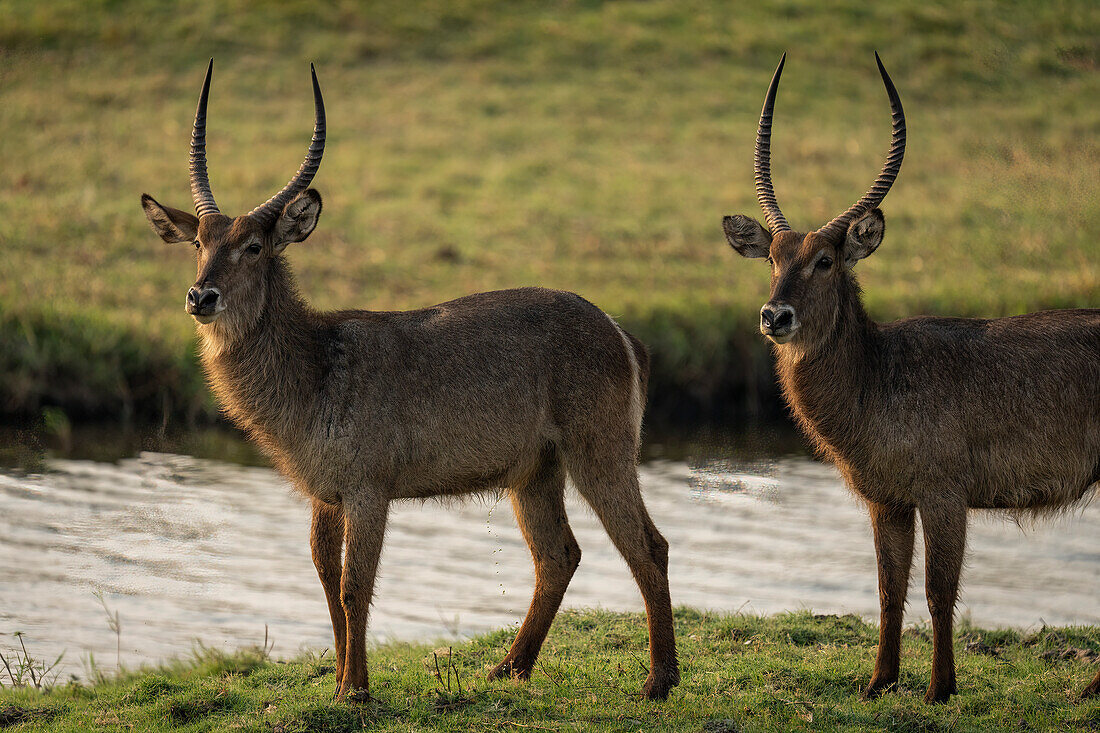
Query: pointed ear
x,y
864,236
298,220
172,225
747,235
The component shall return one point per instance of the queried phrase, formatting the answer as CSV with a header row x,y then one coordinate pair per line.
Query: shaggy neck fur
x,y
264,367
817,379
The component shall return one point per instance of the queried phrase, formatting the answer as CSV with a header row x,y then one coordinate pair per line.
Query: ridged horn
x,y
200,181
267,212
838,227
765,194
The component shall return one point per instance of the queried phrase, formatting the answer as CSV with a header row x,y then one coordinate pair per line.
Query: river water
x,y
189,549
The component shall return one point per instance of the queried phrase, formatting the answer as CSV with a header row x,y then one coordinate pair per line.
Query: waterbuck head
x,y
812,273
235,254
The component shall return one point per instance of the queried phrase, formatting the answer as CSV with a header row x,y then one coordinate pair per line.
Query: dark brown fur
x,y
930,415
513,389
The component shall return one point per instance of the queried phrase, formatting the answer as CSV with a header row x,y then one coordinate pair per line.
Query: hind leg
x,y
540,511
611,488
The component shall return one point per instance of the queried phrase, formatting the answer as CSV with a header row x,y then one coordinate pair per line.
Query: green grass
x,y
740,673
591,146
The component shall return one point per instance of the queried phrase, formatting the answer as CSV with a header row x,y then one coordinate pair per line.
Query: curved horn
x,y
267,212
200,182
838,227
762,159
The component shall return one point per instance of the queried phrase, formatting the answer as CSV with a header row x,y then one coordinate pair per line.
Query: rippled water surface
x,y
189,549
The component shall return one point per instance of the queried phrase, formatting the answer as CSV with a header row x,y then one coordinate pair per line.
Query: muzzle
x,y
778,322
204,303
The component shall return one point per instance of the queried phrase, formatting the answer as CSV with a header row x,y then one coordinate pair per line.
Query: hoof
x,y
360,696
878,688
509,669
657,687
1093,690
935,697
351,692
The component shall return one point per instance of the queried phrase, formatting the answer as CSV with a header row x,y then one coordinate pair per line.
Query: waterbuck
x,y
928,415
509,390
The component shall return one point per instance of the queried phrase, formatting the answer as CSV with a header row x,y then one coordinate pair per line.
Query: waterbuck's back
x,y
1006,409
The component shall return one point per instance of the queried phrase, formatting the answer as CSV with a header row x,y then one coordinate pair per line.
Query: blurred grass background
x,y
480,144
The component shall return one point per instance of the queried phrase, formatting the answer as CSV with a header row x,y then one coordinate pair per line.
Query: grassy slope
x,y
741,673
588,146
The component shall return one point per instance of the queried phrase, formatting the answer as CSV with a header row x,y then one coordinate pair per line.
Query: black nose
x,y
201,300
773,318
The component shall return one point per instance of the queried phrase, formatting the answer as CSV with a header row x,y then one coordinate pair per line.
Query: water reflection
x,y
189,548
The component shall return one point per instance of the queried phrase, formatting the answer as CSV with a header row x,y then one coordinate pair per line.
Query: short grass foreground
x,y
795,671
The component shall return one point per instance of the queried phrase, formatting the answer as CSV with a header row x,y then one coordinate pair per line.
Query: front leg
x,y
893,528
364,528
944,522
326,540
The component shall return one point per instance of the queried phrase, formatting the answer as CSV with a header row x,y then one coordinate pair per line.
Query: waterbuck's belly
x,y
1021,474
1027,481
413,460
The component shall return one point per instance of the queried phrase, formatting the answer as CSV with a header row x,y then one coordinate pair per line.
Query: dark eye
x,y
253,249
768,259
196,243
825,263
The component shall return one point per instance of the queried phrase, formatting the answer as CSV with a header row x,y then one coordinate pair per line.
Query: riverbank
x,y
795,671
707,368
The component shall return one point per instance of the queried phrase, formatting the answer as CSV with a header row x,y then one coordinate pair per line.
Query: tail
x,y
641,357
638,356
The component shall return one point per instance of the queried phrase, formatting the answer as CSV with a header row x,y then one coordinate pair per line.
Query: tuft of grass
x,y
481,144
795,671
114,623
20,670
